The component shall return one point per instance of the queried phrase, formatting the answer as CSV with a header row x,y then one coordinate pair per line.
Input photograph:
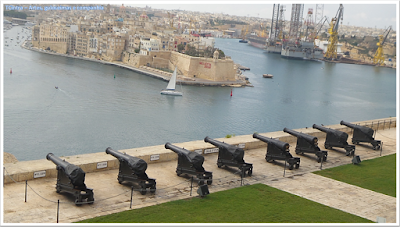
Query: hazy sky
x,y
359,13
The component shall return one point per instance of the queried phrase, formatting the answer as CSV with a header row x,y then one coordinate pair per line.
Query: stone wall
x,y
192,67
59,47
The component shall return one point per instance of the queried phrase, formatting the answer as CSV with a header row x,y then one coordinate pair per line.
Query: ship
x,y
274,47
257,41
305,50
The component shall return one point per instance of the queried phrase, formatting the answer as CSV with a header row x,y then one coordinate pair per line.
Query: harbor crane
x,y
331,52
379,58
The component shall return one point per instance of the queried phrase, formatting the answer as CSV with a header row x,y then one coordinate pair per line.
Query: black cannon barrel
x,y
137,165
324,129
74,173
363,129
309,138
280,144
216,142
177,149
350,125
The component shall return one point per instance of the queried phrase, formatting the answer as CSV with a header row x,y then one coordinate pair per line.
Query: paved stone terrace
x,y
112,197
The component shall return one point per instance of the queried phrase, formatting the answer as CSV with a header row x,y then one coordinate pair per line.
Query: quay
x,y
148,71
111,197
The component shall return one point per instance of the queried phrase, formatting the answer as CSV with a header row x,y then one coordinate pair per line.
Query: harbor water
x,y
91,110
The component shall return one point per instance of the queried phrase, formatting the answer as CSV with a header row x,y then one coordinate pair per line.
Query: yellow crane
x,y
331,52
379,58
171,21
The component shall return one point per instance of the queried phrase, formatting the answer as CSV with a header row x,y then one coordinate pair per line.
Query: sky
x,y
379,14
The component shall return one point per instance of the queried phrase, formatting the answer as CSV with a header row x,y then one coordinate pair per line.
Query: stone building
x,y
81,47
51,37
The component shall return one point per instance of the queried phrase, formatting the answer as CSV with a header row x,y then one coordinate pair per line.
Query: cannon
x,y
278,150
363,134
336,138
190,163
133,170
230,155
71,179
307,144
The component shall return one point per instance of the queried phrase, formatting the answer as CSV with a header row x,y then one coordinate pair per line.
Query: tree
x,y
221,54
181,47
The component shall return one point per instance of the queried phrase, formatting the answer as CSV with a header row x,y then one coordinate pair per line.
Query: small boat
x,y
243,41
268,75
170,90
56,87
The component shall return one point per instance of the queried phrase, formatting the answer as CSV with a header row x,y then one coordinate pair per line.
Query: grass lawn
x,y
257,203
377,174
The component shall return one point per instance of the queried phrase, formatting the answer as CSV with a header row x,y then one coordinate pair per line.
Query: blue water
x,y
92,111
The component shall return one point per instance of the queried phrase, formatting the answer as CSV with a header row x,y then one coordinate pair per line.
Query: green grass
x,y
248,204
377,174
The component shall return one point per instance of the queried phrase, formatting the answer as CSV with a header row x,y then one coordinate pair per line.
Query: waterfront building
x,y
51,37
115,46
81,46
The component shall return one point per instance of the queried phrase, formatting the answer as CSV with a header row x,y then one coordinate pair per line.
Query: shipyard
x,y
239,113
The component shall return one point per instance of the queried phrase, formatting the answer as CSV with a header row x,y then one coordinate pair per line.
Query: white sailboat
x,y
170,90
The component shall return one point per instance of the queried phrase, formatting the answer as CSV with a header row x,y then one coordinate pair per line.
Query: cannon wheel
x,y
90,200
297,165
377,147
325,157
143,188
249,172
153,189
291,167
77,202
209,182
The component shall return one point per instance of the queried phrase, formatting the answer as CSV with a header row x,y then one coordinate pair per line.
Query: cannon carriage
x,y
133,170
191,163
71,179
278,150
230,155
363,134
307,144
336,138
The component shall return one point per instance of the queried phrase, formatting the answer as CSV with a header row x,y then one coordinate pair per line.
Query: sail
x,y
172,81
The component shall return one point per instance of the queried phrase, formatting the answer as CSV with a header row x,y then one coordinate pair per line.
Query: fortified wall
x,y
188,66
59,47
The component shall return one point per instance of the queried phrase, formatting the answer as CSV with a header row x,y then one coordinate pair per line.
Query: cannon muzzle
x,y
281,145
74,173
